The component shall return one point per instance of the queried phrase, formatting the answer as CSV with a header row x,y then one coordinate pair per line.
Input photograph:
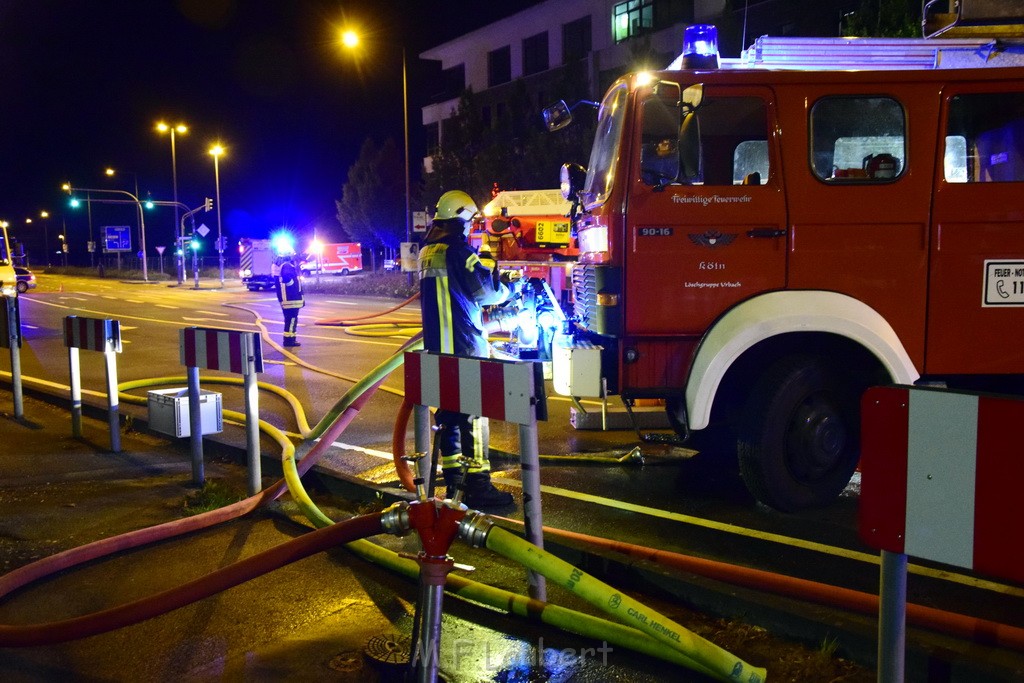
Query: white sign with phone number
x,y
1004,284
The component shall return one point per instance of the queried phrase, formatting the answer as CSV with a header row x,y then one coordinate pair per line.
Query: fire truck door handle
x,y
766,232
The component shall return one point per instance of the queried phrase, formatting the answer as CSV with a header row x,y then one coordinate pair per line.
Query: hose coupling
x,y
474,527
395,519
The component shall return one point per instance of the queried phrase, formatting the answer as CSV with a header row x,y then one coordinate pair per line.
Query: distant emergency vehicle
x,y
256,264
339,258
761,241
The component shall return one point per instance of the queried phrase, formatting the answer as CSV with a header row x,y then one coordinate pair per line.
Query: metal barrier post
x,y
252,427
75,372
195,421
529,461
112,403
892,618
12,340
228,351
94,334
940,474
499,390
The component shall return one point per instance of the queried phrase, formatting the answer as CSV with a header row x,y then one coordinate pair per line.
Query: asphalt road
x,y
673,502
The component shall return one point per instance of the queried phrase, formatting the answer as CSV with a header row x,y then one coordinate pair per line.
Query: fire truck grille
x,y
593,286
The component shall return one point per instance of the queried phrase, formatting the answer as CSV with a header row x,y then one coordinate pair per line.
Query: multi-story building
x,y
599,40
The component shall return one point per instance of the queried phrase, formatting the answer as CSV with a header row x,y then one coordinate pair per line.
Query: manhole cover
x,y
390,649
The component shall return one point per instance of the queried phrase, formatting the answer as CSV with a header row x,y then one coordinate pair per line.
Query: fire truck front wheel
x,y
799,434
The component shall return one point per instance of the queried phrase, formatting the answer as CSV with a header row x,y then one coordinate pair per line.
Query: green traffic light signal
x,y
74,202
195,245
149,204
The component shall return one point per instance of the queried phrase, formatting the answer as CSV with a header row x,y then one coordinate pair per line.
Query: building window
x,y
985,138
576,39
858,139
535,54
499,66
632,18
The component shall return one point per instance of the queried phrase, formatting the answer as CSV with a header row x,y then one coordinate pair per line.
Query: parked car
x,y
26,279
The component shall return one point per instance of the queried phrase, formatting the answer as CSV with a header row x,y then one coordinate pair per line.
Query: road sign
x,y
203,230
117,238
419,221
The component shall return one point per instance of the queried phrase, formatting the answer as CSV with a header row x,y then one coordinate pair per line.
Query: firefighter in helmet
x,y
454,285
289,293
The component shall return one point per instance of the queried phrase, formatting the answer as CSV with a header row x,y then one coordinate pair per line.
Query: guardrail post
x,y
940,472
94,334
10,337
228,351
195,422
499,390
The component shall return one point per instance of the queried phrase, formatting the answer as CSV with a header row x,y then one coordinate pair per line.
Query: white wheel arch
x,y
775,313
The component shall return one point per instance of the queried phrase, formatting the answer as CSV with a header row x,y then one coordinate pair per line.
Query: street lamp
x,y
179,128
215,152
350,40
64,249
45,215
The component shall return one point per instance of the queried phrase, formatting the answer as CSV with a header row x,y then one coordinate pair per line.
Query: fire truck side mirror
x,y
692,97
557,116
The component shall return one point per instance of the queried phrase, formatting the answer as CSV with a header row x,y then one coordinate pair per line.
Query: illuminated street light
x,y
215,152
179,128
350,40
45,215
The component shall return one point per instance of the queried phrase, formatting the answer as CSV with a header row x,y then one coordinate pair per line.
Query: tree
x,y
516,152
372,205
887,19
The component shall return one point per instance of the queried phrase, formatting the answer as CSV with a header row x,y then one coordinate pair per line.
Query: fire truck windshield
x,y
605,153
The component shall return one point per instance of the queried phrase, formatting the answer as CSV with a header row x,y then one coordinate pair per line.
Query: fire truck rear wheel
x,y
799,434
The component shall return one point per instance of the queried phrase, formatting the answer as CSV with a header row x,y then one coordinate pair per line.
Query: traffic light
x,y
194,245
74,202
208,204
149,204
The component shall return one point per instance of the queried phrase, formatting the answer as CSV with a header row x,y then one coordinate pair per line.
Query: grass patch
x,y
213,496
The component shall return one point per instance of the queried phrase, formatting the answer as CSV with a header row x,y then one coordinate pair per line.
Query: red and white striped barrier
x,y
227,350
92,334
941,474
500,390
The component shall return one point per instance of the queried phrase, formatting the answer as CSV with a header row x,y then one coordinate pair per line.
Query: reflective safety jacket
x,y
454,284
289,286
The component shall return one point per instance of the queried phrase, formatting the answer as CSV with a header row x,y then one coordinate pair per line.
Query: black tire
x,y
344,271
799,434
22,287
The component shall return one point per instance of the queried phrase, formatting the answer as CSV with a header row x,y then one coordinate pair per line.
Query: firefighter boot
x,y
452,479
481,493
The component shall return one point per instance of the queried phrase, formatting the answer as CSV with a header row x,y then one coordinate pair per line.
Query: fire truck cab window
x,y
724,142
733,140
858,139
985,138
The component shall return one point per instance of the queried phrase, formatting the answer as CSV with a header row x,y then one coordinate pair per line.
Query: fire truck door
x,y
976,278
699,246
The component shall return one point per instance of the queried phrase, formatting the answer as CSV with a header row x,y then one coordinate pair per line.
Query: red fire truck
x,y
758,244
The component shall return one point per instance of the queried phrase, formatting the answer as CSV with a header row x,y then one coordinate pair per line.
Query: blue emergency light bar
x,y
700,46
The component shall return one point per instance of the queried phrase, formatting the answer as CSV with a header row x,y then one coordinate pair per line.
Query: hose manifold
x,y
395,519
474,527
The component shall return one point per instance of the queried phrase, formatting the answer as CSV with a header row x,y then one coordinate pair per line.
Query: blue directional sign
x,y
117,238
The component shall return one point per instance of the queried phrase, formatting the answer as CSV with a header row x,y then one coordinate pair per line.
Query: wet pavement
x,y
325,616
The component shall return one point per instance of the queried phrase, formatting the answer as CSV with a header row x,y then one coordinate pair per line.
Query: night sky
x,y
83,83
